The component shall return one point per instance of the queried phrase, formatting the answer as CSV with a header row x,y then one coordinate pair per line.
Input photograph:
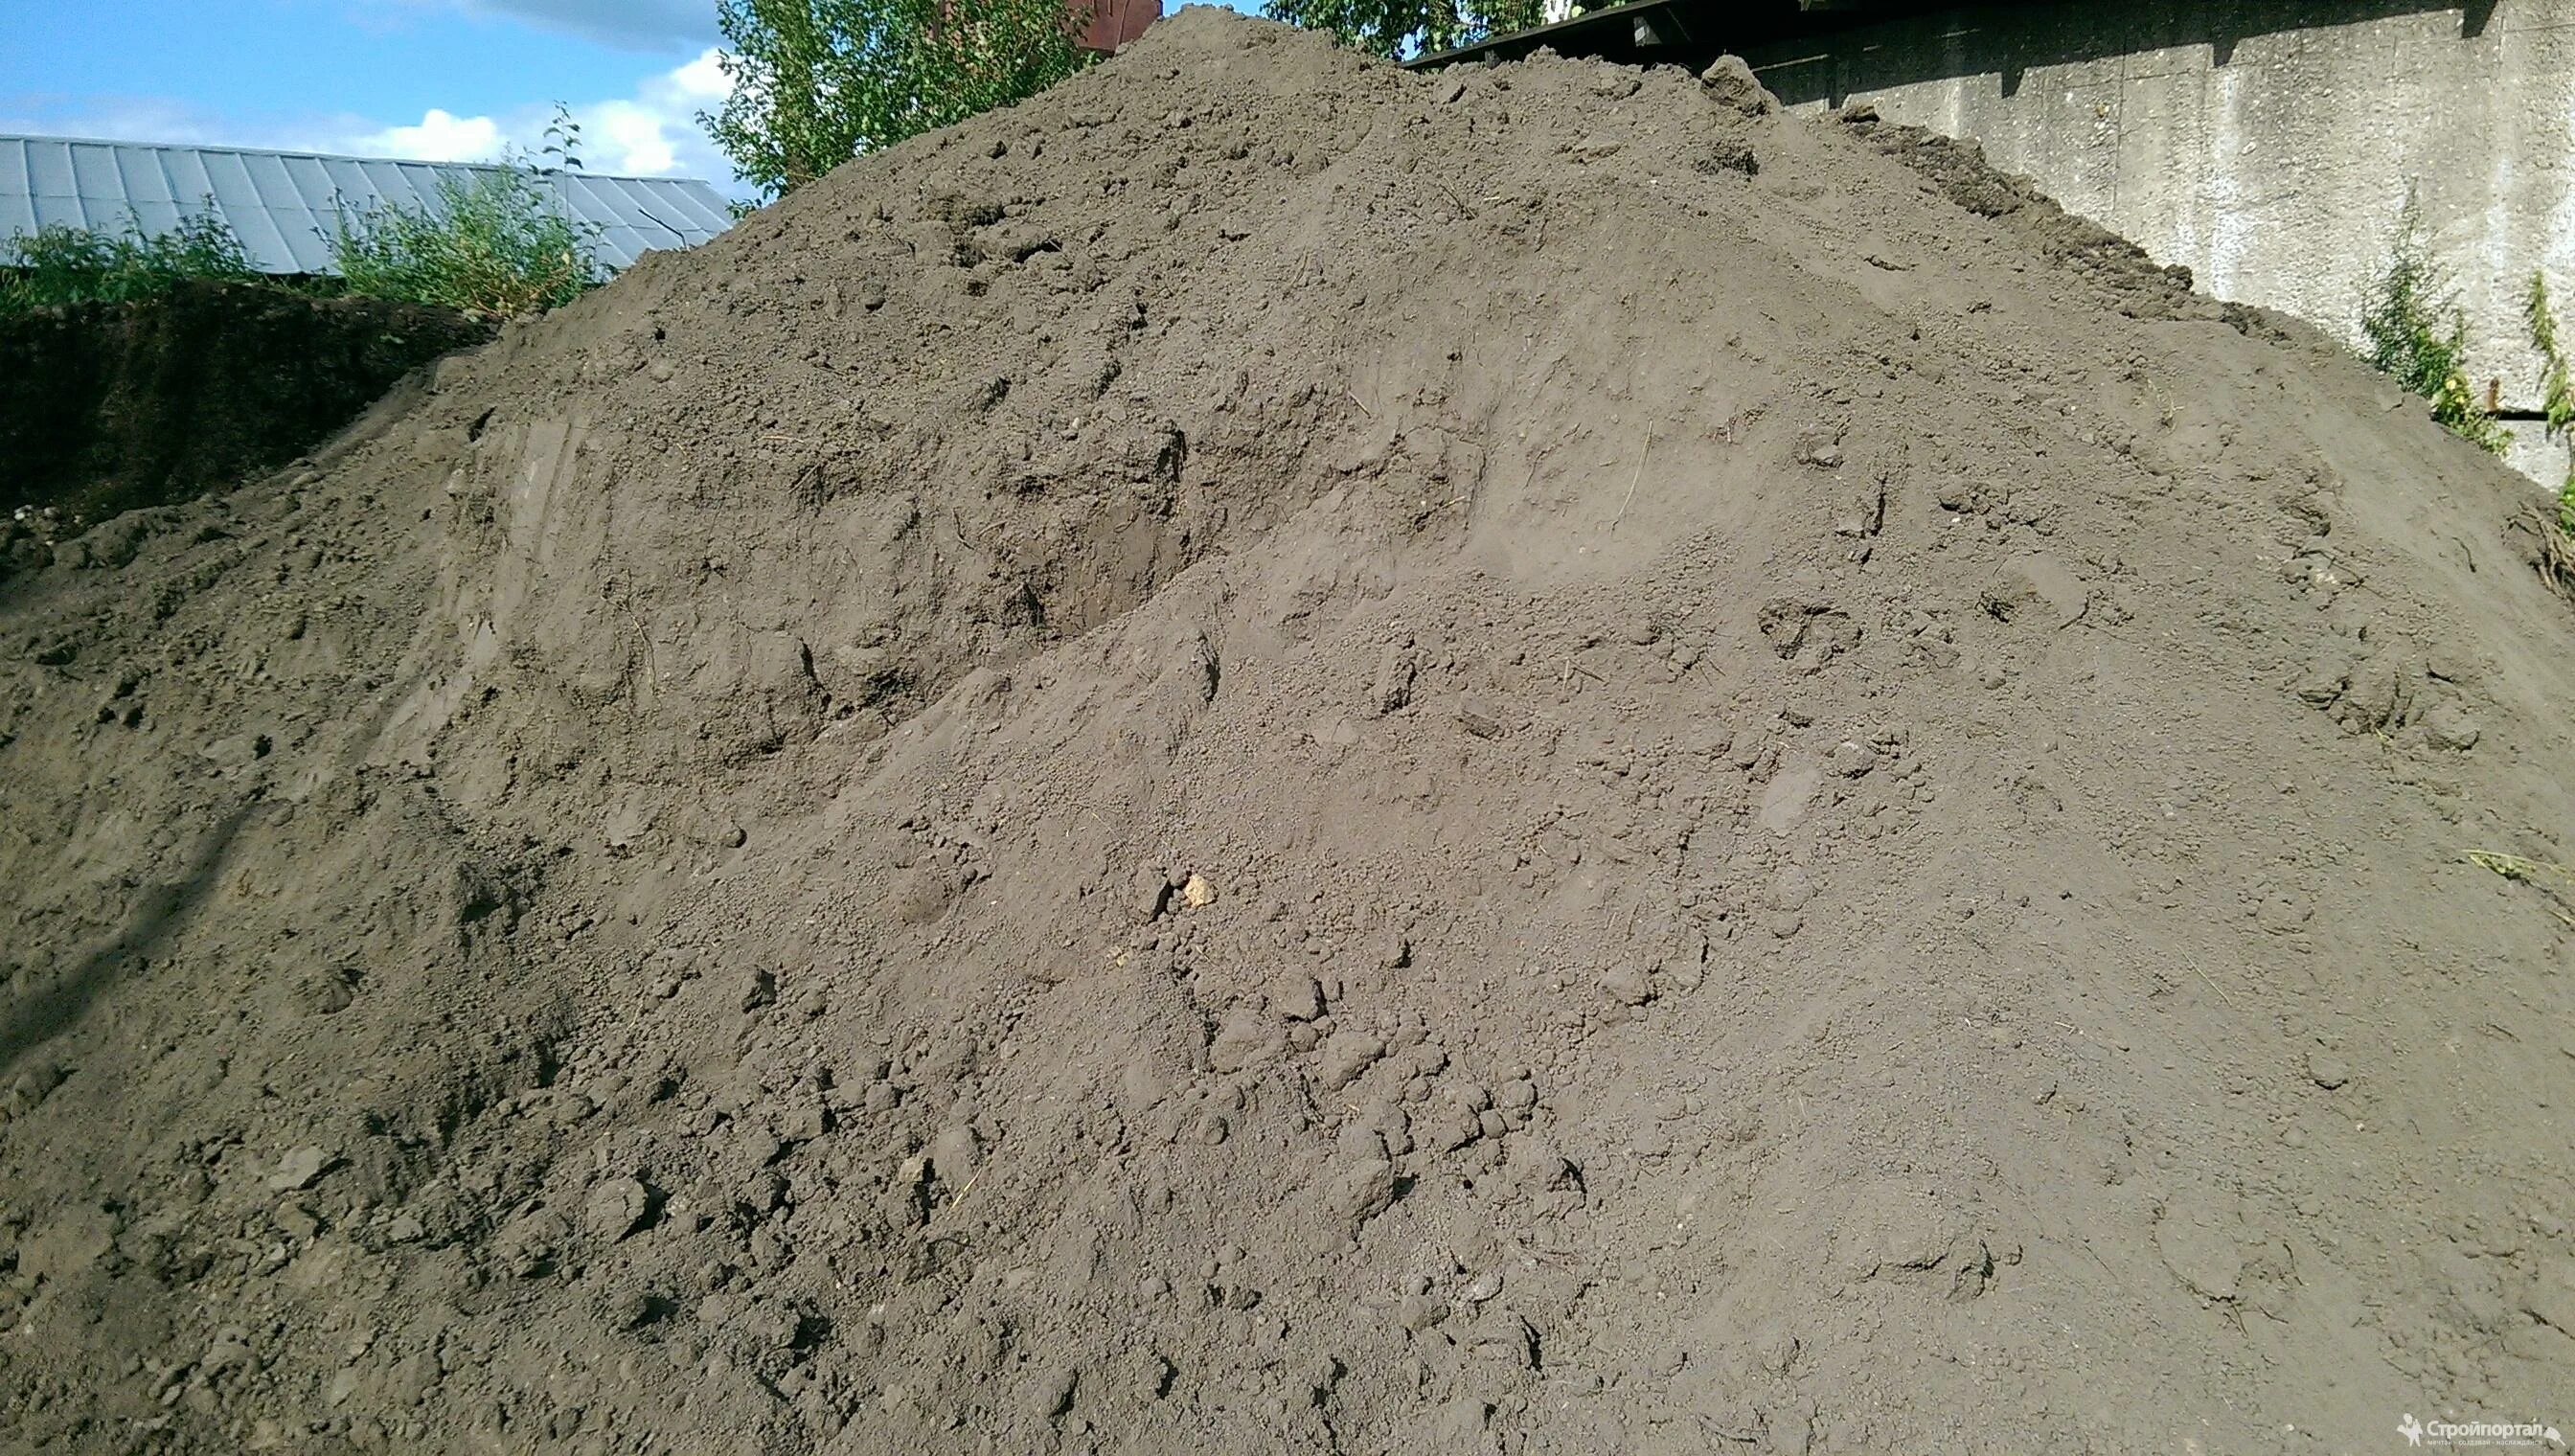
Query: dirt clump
x,y
1271,754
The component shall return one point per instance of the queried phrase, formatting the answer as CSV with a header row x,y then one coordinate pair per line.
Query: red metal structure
x,y
1110,24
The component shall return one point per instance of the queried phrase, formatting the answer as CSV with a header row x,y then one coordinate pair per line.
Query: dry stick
x,y
1639,474
2202,972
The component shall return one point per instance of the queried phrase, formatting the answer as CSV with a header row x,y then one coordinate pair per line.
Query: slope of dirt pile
x,y
108,407
1271,754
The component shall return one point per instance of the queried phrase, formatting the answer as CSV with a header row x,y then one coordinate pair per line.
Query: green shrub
x,y
2418,332
59,264
499,244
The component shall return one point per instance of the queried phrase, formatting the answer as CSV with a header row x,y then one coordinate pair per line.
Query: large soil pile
x,y
1273,754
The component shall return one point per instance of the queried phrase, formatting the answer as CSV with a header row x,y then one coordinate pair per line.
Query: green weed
x,y
2418,334
59,264
2556,391
497,244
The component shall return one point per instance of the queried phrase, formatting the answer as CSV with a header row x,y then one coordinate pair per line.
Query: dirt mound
x,y
108,407
1276,755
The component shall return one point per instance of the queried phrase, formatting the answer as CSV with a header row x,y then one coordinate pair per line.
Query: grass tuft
x,y
2517,869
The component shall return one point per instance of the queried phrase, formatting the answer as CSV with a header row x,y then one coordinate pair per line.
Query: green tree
x,y
817,82
1398,29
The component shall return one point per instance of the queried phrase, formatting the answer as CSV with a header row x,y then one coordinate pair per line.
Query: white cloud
x,y
701,82
621,136
652,133
440,137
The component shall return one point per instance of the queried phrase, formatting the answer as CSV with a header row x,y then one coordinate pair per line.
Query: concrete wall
x,y
2267,146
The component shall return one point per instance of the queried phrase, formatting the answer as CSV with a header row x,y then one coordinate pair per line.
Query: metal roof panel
x,y
152,216
95,180
142,177
266,173
312,184
284,206
187,174
229,183
49,172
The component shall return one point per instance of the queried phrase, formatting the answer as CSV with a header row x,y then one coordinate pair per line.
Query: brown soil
x,y
1270,755
109,407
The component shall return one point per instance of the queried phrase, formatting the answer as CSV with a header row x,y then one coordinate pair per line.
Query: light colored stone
x,y
299,1169
616,1208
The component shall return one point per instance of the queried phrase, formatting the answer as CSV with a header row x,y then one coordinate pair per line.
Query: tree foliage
x,y
1399,29
817,82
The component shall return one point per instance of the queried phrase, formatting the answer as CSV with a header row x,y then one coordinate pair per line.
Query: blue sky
x,y
445,79
453,80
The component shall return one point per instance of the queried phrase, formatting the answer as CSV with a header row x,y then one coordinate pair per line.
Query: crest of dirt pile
x,y
1276,755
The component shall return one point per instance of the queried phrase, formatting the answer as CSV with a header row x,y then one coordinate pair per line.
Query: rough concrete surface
x,y
1272,755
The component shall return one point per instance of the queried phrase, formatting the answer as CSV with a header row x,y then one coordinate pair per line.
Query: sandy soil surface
x,y
1277,756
